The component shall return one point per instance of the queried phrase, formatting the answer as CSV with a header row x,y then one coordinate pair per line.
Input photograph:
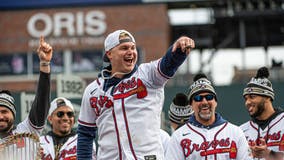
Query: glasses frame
x,y
69,114
208,97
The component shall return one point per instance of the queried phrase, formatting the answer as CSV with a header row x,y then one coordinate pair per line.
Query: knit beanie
x,y
180,109
260,85
8,101
200,84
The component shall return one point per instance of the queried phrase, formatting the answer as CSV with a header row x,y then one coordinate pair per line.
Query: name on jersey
x,y
210,147
65,154
122,90
129,88
274,139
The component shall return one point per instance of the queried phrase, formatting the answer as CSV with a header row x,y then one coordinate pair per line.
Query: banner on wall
x,y
26,104
70,86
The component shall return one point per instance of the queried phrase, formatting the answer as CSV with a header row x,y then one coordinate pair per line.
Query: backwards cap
x,y
8,101
260,85
113,39
200,84
59,102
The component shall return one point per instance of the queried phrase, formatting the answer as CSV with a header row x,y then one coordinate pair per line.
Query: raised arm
x,y
176,55
41,104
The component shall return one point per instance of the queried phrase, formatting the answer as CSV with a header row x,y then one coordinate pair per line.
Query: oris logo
x,y
91,23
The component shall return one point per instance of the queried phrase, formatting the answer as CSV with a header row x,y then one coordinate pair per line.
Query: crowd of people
x,y
121,111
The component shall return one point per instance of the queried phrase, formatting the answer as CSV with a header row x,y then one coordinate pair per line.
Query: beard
x,y
8,127
65,131
259,109
205,116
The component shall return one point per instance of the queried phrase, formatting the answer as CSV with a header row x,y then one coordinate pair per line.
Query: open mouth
x,y
205,109
128,60
250,108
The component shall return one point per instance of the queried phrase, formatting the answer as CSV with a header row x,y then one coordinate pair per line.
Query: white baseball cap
x,y
112,40
58,102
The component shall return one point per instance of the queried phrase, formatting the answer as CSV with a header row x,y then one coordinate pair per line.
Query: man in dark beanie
x,y
264,132
206,135
35,121
179,111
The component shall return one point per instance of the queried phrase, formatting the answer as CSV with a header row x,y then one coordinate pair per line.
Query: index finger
x,y
41,40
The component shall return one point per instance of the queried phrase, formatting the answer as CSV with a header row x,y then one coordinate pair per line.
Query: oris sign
x,y
68,28
76,24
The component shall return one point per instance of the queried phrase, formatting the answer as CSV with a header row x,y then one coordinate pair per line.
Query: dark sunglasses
x,y
60,114
199,98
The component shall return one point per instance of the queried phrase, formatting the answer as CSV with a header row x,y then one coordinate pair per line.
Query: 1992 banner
x,y
70,86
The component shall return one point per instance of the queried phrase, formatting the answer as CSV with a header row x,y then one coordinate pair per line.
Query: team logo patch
x,y
250,89
150,157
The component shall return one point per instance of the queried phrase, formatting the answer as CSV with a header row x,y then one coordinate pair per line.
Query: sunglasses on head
x,y
60,114
199,98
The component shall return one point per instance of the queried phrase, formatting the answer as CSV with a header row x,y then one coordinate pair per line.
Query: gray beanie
x,y
8,101
180,109
260,85
200,84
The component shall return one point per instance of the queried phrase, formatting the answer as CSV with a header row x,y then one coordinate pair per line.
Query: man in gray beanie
x,y
35,121
206,135
179,111
264,132
6,100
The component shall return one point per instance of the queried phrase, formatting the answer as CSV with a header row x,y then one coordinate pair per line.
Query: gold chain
x,y
57,149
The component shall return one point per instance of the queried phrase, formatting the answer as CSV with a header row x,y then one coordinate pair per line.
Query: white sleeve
x,y
151,73
87,116
27,127
165,137
174,150
243,147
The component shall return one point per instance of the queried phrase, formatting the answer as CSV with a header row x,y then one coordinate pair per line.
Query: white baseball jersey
x,y
27,127
127,115
165,137
66,152
273,133
222,142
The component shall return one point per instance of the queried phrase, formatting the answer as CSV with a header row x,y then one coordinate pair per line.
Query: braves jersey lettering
x,y
67,152
133,87
126,85
99,102
64,153
274,139
223,142
185,145
208,148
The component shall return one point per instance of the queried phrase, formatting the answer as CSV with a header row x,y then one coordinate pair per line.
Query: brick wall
x,y
148,23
